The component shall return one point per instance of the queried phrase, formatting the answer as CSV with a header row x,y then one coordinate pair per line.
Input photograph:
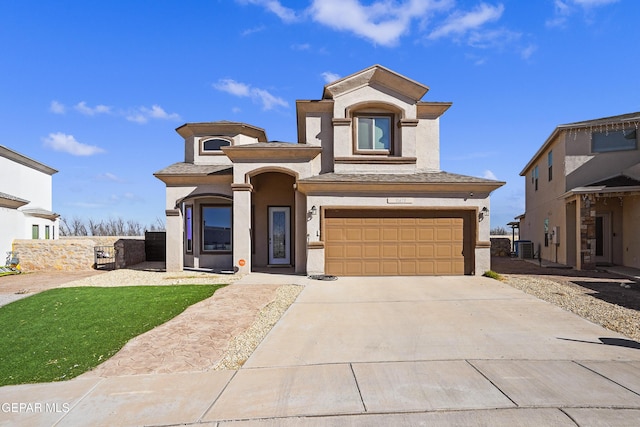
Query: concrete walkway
x,y
379,351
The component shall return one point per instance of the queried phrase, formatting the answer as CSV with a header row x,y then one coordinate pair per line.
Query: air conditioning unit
x,y
525,250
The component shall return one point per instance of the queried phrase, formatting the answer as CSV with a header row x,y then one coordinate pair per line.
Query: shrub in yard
x,y
492,274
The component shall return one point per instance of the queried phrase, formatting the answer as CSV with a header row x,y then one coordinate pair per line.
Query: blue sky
x,y
96,89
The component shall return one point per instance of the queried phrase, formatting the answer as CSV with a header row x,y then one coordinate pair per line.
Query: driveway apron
x,y
384,351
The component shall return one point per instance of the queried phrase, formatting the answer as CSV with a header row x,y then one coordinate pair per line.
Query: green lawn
x,y
61,333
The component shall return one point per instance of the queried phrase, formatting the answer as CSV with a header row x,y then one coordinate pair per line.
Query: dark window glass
x,y
216,228
214,144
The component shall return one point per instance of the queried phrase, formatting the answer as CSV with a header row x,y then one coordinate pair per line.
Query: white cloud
x,y
330,77
232,87
83,108
528,51
274,6
460,23
301,46
67,143
489,175
563,9
593,3
382,22
253,30
243,90
57,108
143,114
108,176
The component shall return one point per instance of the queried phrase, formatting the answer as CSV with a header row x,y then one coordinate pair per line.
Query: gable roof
x,y
618,122
376,74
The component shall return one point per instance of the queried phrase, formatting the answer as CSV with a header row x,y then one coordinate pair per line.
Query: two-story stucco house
x,y
361,193
582,194
25,200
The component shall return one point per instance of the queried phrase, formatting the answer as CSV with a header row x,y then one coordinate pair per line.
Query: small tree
x,y
498,231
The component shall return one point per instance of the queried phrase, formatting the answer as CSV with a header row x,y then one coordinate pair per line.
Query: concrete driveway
x,y
384,351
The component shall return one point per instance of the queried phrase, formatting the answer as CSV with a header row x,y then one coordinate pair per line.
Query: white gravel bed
x,y
243,345
611,316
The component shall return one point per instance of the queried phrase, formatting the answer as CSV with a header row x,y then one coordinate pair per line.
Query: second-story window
x,y
550,164
214,145
374,133
534,178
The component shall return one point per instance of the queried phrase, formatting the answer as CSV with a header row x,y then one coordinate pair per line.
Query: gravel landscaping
x,y
602,298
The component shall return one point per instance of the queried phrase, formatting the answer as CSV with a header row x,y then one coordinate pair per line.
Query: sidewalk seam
x,y
364,405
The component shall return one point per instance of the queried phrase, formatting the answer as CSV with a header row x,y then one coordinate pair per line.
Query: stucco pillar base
x,y
175,249
242,227
315,258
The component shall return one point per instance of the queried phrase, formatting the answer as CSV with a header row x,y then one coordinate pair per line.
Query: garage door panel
x,y
353,234
407,234
407,251
389,234
394,246
370,251
370,234
353,251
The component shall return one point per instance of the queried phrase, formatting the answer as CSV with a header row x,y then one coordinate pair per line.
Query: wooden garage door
x,y
393,246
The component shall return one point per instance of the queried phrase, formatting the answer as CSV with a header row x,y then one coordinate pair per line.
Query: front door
x,y
280,235
603,238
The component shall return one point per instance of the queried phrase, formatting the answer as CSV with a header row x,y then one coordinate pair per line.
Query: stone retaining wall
x,y
500,246
76,253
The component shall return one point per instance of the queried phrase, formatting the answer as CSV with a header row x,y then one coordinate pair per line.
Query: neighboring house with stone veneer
x,y
25,200
361,193
583,194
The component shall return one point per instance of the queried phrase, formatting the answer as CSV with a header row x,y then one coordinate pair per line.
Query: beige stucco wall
x,y
547,204
584,167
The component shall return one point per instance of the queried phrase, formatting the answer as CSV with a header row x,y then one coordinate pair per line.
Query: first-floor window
x,y
216,228
47,232
35,231
188,218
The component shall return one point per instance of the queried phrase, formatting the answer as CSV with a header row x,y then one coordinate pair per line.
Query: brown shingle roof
x,y
422,177
182,168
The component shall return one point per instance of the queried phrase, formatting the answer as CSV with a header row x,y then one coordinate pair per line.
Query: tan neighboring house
x,y
361,193
25,200
583,194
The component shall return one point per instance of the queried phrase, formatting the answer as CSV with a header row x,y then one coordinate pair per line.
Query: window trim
x,y
188,228
201,223
392,133
204,152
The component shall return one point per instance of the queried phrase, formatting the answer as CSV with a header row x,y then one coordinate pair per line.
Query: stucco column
x,y
242,227
175,241
300,224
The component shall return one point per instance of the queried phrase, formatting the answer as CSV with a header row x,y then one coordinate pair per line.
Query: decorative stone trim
x,y
316,245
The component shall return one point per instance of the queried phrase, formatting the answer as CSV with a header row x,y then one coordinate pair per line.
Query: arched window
x,y
374,128
214,144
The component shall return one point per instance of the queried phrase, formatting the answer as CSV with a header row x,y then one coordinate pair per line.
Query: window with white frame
x,y
214,145
374,133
